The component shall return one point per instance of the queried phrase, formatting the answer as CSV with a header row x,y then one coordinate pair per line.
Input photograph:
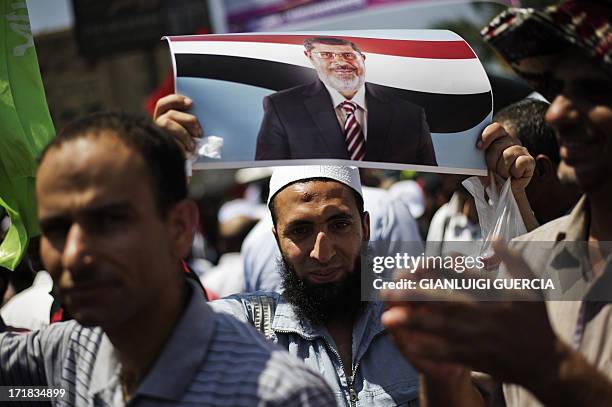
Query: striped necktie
x,y
355,141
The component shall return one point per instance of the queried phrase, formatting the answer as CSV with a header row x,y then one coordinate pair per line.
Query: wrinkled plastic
x,y
209,147
498,213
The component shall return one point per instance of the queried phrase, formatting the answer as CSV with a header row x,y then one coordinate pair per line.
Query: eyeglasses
x,y
348,56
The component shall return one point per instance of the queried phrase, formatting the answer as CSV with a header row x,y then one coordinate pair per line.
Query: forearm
x,y
459,392
527,214
573,382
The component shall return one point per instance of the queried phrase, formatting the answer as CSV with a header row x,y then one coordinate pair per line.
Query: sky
x,y
49,15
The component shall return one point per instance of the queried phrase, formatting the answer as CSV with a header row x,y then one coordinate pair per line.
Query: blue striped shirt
x,y
211,359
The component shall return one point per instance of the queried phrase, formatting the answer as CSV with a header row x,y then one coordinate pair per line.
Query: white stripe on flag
x,y
446,76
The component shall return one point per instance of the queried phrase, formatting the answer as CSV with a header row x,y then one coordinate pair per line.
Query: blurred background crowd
x,y
108,55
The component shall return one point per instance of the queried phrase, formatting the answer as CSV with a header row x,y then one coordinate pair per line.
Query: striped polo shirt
x,y
210,359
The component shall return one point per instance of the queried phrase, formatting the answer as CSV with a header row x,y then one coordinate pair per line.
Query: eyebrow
x,y
338,216
113,207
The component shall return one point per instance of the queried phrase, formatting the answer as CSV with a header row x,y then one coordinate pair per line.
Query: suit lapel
x,y
379,123
319,105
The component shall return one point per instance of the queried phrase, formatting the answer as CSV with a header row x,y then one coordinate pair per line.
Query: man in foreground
x,y
556,353
115,225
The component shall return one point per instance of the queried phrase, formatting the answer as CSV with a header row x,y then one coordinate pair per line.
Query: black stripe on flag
x,y
446,113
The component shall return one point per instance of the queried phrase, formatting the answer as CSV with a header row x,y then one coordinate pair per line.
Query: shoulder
x,y
65,334
297,92
239,305
546,233
63,345
393,96
262,365
536,246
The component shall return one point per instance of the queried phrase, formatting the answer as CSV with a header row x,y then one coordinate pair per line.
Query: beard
x,y
343,83
318,303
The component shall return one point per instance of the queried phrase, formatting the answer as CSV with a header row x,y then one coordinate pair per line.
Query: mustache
x,y
322,267
342,66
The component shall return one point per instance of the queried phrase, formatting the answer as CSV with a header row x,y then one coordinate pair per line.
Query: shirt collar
x,y
366,327
285,319
338,98
570,257
182,356
576,226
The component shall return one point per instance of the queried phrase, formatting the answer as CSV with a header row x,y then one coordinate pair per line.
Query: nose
x,y
77,249
562,112
323,250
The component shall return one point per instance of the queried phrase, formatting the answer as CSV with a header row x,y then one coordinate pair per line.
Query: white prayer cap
x,y
283,176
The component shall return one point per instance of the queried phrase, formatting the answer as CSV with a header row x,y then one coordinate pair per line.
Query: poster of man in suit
x,y
340,116
397,99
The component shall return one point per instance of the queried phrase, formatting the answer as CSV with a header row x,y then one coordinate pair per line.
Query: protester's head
x,y
339,63
114,217
320,228
564,52
525,121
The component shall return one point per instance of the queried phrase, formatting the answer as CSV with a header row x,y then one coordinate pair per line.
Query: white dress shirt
x,y
361,113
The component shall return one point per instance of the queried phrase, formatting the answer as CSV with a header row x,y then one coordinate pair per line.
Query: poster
x,y
420,98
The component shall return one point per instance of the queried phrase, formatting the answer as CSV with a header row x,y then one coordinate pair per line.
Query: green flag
x,y
25,128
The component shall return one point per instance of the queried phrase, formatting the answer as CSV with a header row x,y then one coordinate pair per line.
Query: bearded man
x,y
340,116
320,227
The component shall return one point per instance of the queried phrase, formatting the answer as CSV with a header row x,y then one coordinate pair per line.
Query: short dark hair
x,y
164,160
309,42
356,195
526,117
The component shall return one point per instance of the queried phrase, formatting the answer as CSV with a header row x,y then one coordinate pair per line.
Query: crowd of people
x,y
126,307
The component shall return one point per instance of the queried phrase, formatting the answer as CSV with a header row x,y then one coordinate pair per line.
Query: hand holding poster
x,y
399,99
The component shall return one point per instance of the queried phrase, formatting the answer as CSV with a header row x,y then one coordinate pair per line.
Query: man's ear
x,y
365,226
363,56
544,169
275,233
307,54
183,220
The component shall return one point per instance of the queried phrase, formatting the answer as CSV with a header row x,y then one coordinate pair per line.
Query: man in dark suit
x,y
339,116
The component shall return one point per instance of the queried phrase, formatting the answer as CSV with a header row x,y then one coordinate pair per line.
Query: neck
x,y
348,95
600,228
344,315
552,203
152,328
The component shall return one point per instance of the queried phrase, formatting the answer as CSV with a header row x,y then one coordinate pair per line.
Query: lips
x,y
89,291
325,275
344,69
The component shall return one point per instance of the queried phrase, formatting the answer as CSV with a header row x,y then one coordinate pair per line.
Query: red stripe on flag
x,y
400,48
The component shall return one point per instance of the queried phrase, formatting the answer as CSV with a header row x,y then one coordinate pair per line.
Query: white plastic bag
x,y
499,215
209,147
